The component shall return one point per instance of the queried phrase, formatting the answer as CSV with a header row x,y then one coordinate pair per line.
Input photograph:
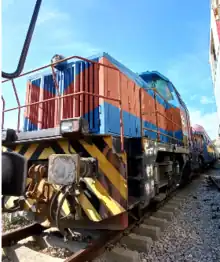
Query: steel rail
x,y
13,237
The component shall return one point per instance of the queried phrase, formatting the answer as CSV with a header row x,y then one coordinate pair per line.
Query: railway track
x,y
215,180
29,243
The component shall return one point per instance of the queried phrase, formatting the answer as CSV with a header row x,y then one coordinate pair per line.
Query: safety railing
x,y
3,110
60,97
155,113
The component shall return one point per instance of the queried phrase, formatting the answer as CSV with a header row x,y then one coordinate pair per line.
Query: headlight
x,y
69,126
74,125
63,169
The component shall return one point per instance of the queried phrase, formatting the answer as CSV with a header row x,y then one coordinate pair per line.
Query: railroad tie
x,y
165,215
180,198
156,221
136,242
176,202
170,208
25,254
119,254
149,231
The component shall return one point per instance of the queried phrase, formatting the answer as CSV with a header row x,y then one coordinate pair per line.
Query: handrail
x,y
3,108
60,61
156,112
59,97
151,130
18,102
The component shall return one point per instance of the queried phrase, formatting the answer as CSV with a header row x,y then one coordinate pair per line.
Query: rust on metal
x,y
96,248
39,192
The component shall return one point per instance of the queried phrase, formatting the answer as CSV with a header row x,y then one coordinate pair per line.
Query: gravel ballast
x,y
194,234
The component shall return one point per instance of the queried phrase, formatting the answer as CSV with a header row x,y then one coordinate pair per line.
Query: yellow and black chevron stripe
x,y
109,188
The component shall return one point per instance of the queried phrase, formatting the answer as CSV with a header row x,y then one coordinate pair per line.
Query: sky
x,y
168,36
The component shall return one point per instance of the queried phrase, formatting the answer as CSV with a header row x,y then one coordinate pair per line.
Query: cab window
x,y
163,89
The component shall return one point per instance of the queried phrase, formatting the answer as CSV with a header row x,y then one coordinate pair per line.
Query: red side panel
x,y
218,28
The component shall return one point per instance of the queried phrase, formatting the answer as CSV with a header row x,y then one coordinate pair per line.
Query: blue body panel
x,y
104,119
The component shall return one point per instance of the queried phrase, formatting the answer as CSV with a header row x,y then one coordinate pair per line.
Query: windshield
x,y
167,92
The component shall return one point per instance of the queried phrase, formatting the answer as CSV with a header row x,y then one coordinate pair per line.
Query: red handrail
x,y
60,97
18,102
156,112
3,110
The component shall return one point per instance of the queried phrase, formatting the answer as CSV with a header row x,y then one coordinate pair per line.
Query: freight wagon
x,y
99,140
203,147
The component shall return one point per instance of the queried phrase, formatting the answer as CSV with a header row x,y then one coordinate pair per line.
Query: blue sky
x,y
169,36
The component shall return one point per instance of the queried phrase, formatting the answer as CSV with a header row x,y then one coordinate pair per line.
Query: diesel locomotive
x,y
98,141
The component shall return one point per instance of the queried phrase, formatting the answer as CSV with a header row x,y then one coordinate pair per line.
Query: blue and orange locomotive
x,y
98,140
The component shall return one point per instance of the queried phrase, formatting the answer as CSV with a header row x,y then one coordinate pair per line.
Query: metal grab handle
x,y
26,45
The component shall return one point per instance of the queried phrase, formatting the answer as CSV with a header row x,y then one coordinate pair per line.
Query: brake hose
x,y
26,45
58,211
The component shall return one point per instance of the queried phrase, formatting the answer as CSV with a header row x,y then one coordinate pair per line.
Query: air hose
x,y
53,201
58,211
26,45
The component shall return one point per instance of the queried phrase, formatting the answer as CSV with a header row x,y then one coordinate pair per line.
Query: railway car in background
x,y
203,146
217,146
99,141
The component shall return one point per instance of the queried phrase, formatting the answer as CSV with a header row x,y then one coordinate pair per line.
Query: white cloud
x,y
181,71
47,15
79,48
206,100
208,120
62,38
